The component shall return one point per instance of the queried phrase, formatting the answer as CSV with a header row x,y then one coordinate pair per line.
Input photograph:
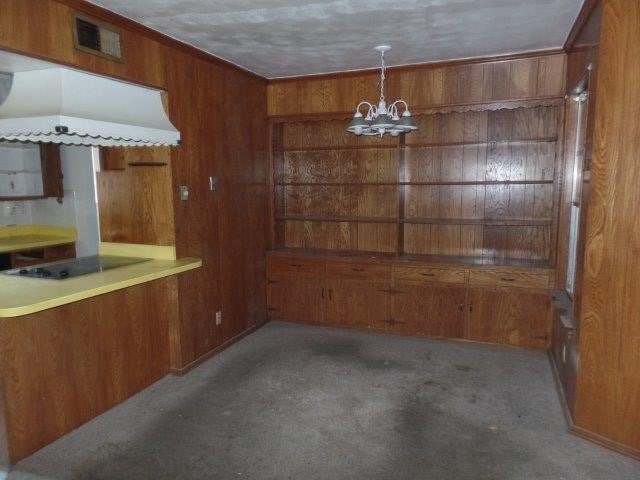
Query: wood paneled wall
x,y
426,87
44,28
221,115
220,110
66,365
608,394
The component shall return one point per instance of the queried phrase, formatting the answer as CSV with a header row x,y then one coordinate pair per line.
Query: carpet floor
x,y
303,402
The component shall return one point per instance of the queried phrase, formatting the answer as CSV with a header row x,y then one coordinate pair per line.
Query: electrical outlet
x,y
218,318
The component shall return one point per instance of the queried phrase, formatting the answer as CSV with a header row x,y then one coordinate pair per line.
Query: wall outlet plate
x,y
184,193
218,318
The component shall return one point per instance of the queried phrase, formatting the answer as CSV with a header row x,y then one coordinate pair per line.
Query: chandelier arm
x,y
363,103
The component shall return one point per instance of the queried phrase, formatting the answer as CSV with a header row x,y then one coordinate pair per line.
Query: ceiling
x,y
280,38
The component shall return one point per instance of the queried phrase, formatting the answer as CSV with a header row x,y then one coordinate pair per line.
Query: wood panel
x,y
64,366
136,202
430,310
608,393
425,86
44,28
357,303
296,298
221,117
510,317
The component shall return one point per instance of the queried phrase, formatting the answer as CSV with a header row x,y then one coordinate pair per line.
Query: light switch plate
x,y
184,193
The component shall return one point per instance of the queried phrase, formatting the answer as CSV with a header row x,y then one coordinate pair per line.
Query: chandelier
x,y
381,119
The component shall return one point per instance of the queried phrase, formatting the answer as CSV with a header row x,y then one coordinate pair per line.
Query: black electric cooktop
x,y
74,268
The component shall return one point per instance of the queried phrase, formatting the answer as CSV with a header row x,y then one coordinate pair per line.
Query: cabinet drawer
x,y
508,278
364,271
293,265
421,275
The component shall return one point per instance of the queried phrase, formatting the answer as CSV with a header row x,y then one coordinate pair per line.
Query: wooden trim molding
x,y
418,66
433,109
190,366
581,432
583,16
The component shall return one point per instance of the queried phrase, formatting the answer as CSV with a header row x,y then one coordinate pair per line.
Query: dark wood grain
x,y
64,366
608,392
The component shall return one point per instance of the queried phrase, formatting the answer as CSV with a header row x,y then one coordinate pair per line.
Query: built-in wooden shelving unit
x,y
475,184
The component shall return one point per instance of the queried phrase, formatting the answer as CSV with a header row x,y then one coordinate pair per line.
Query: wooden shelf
x,y
481,182
485,143
335,184
321,218
418,184
409,258
395,145
478,221
339,147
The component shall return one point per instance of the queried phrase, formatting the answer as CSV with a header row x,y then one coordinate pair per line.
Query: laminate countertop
x,y
22,296
30,237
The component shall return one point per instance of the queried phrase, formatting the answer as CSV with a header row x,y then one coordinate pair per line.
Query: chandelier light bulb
x,y
380,118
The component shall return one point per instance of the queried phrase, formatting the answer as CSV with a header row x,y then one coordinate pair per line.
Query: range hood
x,y
67,106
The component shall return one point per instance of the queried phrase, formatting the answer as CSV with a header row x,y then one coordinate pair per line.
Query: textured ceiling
x,y
278,38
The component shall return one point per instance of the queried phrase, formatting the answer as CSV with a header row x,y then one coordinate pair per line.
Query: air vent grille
x,y
98,38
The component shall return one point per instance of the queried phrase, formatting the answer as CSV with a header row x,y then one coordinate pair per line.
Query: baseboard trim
x,y
560,391
605,442
190,366
581,432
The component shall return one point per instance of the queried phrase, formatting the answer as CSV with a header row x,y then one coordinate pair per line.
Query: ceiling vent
x,y
97,37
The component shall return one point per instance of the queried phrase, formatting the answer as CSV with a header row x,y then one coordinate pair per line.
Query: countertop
x,y
22,296
29,237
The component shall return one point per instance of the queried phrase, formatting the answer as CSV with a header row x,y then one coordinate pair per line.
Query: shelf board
x,y
322,218
484,143
419,184
477,221
482,182
338,147
413,258
336,184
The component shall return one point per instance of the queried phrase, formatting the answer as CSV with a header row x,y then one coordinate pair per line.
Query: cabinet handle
x,y
471,307
297,265
322,293
330,294
461,307
505,279
428,274
358,269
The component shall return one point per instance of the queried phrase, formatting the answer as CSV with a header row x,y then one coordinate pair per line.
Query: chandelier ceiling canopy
x,y
380,118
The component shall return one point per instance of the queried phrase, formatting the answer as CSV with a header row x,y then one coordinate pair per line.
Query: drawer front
x,y
364,271
422,275
295,265
508,278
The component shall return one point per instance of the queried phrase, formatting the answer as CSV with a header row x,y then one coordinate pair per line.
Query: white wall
x,y
78,208
20,171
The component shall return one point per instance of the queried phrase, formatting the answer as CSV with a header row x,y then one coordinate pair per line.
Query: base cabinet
x,y
424,301
357,303
433,311
509,317
295,299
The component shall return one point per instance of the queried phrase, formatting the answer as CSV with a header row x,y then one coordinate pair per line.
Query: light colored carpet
x,y
301,402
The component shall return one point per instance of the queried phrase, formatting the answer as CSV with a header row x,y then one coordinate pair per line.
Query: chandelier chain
x,y
383,75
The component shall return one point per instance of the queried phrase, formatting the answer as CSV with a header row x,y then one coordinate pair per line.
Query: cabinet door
x,y
295,298
430,310
358,303
509,317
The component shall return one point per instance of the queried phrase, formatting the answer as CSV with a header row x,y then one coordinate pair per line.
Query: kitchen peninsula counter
x,y
23,296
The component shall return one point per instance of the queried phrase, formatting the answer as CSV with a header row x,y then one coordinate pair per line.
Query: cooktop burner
x,y
74,268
